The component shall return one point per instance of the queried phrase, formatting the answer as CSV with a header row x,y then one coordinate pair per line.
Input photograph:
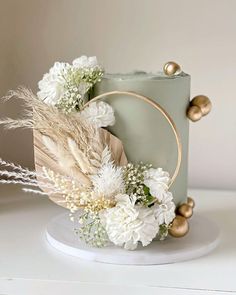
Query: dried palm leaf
x,y
45,158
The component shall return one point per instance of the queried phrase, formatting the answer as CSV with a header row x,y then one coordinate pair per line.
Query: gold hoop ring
x,y
161,110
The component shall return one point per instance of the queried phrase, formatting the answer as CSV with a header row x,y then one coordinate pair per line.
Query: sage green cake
x,y
145,133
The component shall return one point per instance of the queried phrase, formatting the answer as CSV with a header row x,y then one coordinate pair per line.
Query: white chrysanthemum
x,y
157,181
85,62
100,114
127,224
52,86
108,181
165,212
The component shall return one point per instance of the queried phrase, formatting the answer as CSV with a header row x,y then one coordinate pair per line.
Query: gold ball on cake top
x,y
191,202
185,210
179,227
194,113
171,68
203,102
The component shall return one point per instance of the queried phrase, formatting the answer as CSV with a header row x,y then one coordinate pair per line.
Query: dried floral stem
x,y
12,181
28,183
28,190
13,123
17,175
17,168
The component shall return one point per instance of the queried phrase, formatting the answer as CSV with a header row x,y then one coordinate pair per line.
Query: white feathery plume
x,y
82,161
51,145
99,160
109,180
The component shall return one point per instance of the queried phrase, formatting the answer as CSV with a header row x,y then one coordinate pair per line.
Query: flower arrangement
x,y
65,85
83,167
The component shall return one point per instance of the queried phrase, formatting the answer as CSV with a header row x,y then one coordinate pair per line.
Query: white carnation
x,y
99,114
85,62
52,86
165,212
157,181
108,181
127,224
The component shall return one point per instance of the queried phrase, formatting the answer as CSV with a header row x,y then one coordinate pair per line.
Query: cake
x,y
145,134
112,149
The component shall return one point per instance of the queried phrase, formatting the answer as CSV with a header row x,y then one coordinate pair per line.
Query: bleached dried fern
x,y
53,184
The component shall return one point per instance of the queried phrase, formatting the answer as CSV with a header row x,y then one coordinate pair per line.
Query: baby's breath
x,y
163,231
91,230
134,178
79,81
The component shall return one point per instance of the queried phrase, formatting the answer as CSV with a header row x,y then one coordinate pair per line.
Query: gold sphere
x,y
190,202
171,68
194,113
179,227
185,210
203,102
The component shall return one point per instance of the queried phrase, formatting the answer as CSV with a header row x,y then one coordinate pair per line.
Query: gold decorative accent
x,y
185,210
190,202
203,102
179,227
161,110
171,68
194,113
200,106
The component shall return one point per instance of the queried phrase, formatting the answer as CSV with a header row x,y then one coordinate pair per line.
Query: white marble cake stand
x,y
202,238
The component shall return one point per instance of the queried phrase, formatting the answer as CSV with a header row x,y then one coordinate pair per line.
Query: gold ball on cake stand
x,y
194,113
179,227
185,210
171,68
203,102
191,202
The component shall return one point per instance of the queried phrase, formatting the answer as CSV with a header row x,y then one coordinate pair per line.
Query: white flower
x,y
165,212
85,62
127,224
108,181
100,114
52,86
157,181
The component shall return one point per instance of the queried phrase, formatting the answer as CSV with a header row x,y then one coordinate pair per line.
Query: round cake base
x,y
202,238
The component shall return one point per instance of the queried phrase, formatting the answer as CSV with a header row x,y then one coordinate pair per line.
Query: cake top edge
x,y
142,75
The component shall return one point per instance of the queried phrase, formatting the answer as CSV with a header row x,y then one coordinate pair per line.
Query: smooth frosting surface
x,y
142,75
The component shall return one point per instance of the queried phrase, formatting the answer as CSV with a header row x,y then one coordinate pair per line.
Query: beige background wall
x,y
127,35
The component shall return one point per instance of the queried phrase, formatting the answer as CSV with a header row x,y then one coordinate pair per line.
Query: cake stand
x,y
202,238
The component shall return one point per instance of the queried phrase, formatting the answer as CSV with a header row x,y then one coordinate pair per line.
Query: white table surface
x,y
28,265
